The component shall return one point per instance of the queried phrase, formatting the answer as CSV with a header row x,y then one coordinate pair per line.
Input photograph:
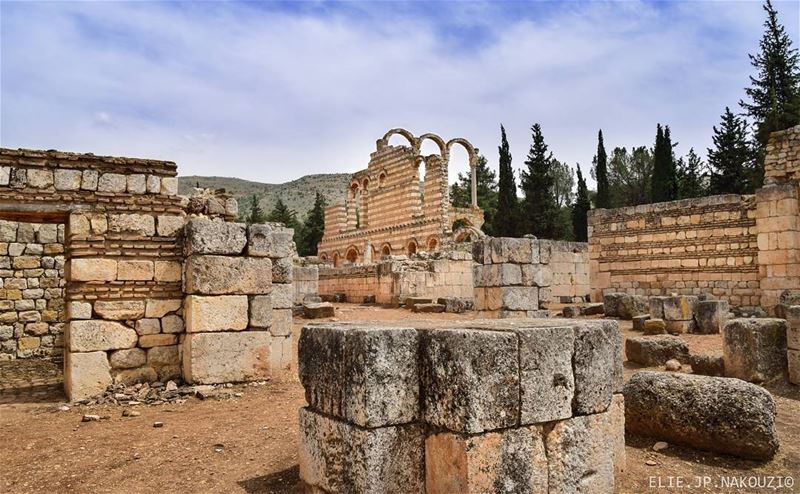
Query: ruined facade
x,y
741,248
394,208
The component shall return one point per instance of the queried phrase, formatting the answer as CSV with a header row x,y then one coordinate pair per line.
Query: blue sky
x,y
274,91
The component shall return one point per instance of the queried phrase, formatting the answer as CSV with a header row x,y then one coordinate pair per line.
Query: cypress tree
x,y
774,92
539,205
730,161
580,225
313,228
505,223
691,176
603,197
665,180
282,214
255,214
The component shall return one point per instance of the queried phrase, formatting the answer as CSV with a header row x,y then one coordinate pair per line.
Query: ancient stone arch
x,y
411,247
386,249
443,149
384,141
352,254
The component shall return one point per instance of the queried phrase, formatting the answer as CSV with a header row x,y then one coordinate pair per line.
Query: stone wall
x,y
483,406
392,280
32,287
306,282
782,162
569,262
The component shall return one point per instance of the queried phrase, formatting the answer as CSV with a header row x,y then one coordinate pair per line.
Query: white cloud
x,y
268,95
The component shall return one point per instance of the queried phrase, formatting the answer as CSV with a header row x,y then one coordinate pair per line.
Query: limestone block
x,y
625,306
592,309
161,307
679,327
86,374
119,310
8,231
128,358
140,224
710,316
754,349
679,308
726,415
513,250
204,236
320,310
281,322
27,262
220,275
136,184
282,296
261,311
67,179
169,186
163,355
167,271
537,275
215,313
112,182
148,326
282,271
153,184
470,378
505,274
337,457
153,340
657,306
793,357
365,375
639,322
129,377
792,316
19,178
707,365
135,270
281,354
418,308
89,180
597,365
94,335
580,455
509,461
172,324
269,241
213,358
40,179
547,385
655,326
656,350
5,174
519,297
616,417
169,226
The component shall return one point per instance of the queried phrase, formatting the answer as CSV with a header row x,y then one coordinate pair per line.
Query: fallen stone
x,y
793,357
654,327
656,305
707,365
158,425
90,418
639,322
428,308
672,365
571,311
592,309
456,305
318,310
754,349
130,413
726,415
679,327
656,350
710,316
679,308
660,446
624,306
410,302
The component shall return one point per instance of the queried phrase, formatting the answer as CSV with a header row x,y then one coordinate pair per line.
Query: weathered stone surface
x,y
169,226
365,375
513,250
679,308
470,379
269,241
213,358
140,224
709,413
427,308
639,322
167,271
161,307
153,340
456,305
66,179
40,179
172,324
128,358
793,357
410,302
679,327
490,275
90,179
710,316
130,377
654,327
656,350
337,457
754,349
616,417
592,309
624,306
707,365
261,311
571,311
94,335
79,310
112,182
163,355
580,455
282,270
204,236
148,326
597,365
282,296
547,385
510,461
225,275
792,316
318,310
281,322
135,270
88,269
540,275
86,374
119,310
519,297
153,184
169,186
215,313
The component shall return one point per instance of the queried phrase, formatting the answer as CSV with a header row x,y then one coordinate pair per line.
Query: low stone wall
x,y
394,279
483,406
569,262
32,286
306,282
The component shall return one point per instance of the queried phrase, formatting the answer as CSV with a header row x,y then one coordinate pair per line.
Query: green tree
x,y
252,211
539,203
506,221
603,198
731,160
282,214
690,176
664,186
580,225
461,192
313,228
774,92
630,176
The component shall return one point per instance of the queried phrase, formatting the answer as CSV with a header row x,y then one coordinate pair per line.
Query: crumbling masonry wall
x,y
480,406
569,262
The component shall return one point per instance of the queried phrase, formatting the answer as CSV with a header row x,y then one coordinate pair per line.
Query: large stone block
x,y
213,358
520,297
162,307
580,455
337,457
282,270
86,374
792,316
225,275
513,250
112,182
616,417
679,308
597,366
120,310
220,313
510,461
66,179
754,349
540,275
269,241
140,224
709,413
168,271
92,269
135,270
204,236
793,357
282,296
128,359
261,311
547,385
625,306
94,335
281,322
365,375
469,379
656,349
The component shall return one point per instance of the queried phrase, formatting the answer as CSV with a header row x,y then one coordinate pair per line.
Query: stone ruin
x,y
104,247
479,406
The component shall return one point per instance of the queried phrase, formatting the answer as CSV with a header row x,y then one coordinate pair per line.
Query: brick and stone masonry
x,y
479,406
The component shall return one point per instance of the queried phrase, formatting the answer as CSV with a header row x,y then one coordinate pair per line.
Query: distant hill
x,y
297,195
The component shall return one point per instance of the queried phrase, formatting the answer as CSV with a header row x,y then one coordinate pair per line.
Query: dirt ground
x,y
249,444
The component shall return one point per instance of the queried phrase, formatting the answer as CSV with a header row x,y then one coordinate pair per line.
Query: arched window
x,y
386,250
411,248
336,259
352,255
432,244
382,179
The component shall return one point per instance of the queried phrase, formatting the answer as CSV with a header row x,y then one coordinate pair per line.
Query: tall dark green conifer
x,y
774,92
731,159
254,213
603,197
539,209
581,207
506,220
282,214
690,176
665,177
313,228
